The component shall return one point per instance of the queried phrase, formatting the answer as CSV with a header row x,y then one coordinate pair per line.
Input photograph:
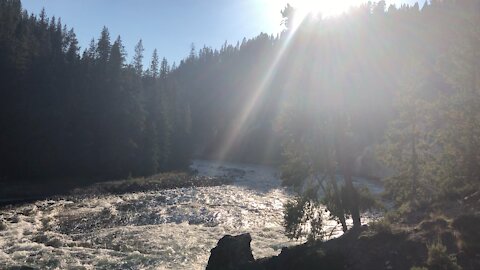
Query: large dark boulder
x,y
232,253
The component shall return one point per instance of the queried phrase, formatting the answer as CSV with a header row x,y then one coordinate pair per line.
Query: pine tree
x,y
154,65
72,51
138,58
460,136
165,115
116,59
152,144
103,47
409,148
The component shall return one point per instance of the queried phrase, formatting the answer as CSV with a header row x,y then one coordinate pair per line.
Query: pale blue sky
x,y
168,25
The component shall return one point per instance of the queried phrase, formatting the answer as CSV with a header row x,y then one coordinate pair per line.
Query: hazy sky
x,y
170,25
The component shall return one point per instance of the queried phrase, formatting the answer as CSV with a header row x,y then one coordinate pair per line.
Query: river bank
x,y
22,192
442,236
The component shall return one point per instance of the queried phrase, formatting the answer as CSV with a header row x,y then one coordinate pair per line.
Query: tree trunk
x,y
414,162
472,149
351,193
344,150
338,202
331,172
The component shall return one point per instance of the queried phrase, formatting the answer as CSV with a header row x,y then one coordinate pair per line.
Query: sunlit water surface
x,y
169,229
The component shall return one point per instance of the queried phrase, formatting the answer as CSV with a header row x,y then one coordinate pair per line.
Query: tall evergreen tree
x,y
154,65
103,47
138,58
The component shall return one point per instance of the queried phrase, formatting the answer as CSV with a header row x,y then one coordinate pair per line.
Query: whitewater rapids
x,y
167,229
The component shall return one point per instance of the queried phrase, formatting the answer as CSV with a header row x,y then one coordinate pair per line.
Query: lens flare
x,y
323,8
235,133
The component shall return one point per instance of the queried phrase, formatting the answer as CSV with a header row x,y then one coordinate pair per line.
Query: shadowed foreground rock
x,y
232,253
348,252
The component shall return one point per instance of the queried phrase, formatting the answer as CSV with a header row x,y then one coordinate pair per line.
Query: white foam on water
x,y
168,229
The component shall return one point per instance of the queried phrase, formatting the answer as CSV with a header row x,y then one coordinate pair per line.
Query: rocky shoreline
x,y
374,247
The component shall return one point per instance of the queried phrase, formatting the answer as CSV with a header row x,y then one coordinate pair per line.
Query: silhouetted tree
x,y
138,58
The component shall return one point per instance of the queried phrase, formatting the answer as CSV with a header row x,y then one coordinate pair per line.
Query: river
x,y
168,229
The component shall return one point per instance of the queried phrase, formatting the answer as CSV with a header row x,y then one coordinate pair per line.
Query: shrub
x,y
438,259
303,218
381,226
468,226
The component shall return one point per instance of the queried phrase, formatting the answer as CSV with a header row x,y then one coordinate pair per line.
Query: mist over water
x,y
168,229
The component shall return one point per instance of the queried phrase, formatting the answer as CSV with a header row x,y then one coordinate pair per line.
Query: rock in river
x,y
231,253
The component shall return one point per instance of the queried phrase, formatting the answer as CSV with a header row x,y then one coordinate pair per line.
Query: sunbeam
x,y
234,133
